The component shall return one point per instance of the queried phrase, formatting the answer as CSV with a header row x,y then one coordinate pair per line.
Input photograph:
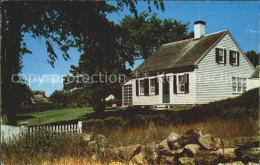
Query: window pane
x,y
152,85
141,86
181,83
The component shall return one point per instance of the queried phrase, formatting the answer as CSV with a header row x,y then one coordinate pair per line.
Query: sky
x,y
241,18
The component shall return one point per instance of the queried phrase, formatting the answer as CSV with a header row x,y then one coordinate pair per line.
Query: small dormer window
x,y
220,55
234,57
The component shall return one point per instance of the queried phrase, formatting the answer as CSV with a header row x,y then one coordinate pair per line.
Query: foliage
x,y
253,57
245,105
62,24
32,147
143,34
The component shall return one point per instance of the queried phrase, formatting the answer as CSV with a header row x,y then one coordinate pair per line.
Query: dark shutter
x,y
174,85
230,57
156,86
146,87
186,79
237,58
225,56
137,88
217,55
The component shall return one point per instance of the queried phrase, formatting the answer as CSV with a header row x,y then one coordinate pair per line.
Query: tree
x,y
65,24
253,57
134,37
143,34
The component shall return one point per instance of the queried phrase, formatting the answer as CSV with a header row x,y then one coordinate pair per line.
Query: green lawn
x,y
53,116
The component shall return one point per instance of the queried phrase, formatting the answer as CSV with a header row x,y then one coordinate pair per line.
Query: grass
x,y
225,119
54,116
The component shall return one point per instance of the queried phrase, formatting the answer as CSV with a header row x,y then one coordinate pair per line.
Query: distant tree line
x,y
253,57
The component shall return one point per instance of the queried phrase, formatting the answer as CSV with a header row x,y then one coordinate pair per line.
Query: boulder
x,y
126,152
87,137
228,154
190,137
167,160
172,138
191,149
138,159
163,148
251,154
247,141
207,157
209,142
151,153
233,163
186,161
215,157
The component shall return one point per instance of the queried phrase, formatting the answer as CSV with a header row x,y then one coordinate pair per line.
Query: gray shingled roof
x,y
179,54
256,72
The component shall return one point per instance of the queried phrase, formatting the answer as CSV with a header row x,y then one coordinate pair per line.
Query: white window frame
x,y
243,84
178,89
150,92
236,57
139,83
221,62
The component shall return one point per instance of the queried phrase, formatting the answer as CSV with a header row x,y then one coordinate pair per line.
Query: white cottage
x,y
198,70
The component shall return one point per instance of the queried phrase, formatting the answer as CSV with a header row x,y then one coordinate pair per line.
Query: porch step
x,y
162,106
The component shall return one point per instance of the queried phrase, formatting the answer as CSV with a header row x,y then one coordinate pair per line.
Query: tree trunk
x,y
10,66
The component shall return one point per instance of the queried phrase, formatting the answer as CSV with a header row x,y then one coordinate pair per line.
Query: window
x,y
234,57
238,85
152,86
181,84
127,99
221,55
141,87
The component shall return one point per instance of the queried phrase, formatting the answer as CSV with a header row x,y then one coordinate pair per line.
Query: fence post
x,y
79,127
24,126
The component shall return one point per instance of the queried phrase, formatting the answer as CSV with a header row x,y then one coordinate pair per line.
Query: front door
x,y
166,92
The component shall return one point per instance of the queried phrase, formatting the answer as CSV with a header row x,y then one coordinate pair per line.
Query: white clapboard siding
x,y
253,83
214,81
183,98
157,99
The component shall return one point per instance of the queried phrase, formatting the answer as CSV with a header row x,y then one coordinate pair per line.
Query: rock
x,y
191,149
207,157
138,159
215,157
228,154
247,141
233,163
87,137
102,142
128,152
190,137
172,138
206,141
167,160
218,144
251,155
186,161
164,149
151,153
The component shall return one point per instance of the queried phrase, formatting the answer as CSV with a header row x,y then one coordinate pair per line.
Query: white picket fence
x,y
9,133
